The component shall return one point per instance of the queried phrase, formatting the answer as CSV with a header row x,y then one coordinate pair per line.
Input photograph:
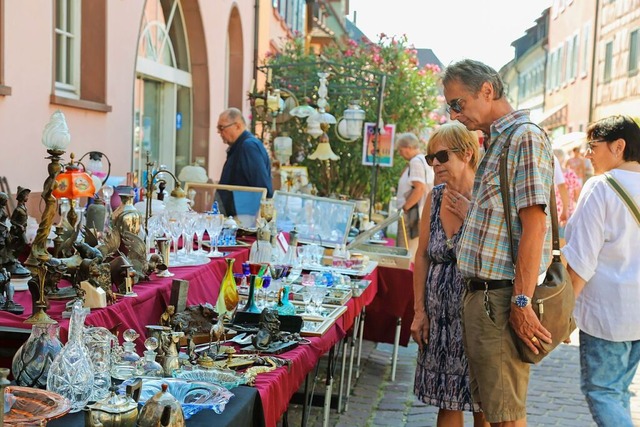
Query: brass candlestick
x,y
149,190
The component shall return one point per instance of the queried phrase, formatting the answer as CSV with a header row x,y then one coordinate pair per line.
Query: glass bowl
x,y
194,396
226,378
33,406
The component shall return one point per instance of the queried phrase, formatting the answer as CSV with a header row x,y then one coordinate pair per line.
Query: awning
x,y
569,141
553,117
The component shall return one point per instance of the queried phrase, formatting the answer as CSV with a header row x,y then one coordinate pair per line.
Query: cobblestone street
x,y
554,393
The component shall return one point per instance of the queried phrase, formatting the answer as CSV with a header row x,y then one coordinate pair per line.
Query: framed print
x,y
246,200
385,145
293,178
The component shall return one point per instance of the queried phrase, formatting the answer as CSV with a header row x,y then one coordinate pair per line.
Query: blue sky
x,y
477,29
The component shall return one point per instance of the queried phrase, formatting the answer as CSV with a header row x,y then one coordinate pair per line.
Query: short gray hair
x,y
473,74
233,114
407,140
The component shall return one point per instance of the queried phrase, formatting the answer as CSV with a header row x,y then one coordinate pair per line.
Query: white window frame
x,y
609,62
64,58
584,50
634,34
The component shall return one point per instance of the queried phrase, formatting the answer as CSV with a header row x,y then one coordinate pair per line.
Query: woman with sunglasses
x,y
442,374
601,252
415,182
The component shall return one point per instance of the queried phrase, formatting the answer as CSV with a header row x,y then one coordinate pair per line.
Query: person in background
x,y
414,184
578,164
561,191
572,185
247,161
497,304
601,252
442,374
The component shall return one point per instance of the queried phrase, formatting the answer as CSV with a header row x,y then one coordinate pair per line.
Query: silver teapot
x,y
161,410
115,410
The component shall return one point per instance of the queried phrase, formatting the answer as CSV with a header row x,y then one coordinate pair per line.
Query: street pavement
x,y
554,393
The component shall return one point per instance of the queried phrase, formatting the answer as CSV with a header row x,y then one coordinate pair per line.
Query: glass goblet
x,y
215,222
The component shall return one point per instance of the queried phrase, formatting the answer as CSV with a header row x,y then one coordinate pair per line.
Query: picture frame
x,y
246,199
386,143
293,178
316,219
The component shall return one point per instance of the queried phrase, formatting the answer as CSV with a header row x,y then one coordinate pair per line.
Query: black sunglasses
x,y
223,127
442,156
455,105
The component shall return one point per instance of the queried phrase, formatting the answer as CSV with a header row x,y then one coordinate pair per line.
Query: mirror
x,y
316,219
243,203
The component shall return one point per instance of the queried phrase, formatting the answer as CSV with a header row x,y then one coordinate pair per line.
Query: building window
x,y
68,48
573,58
608,62
586,34
633,52
80,54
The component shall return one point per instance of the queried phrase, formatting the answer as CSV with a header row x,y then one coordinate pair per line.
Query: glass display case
x,y
316,219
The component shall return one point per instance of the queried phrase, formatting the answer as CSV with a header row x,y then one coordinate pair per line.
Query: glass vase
x,y
33,359
99,342
228,295
250,306
71,373
285,307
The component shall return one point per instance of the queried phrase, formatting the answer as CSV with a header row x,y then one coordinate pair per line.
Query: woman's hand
x,y
456,203
420,328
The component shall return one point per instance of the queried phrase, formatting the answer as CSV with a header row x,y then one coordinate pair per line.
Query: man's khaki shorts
x,y
499,379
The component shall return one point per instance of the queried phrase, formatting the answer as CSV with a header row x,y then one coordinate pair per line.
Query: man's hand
x,y
528,328
456,203
420,328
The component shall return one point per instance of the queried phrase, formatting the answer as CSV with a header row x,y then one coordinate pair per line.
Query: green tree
x,y
410,97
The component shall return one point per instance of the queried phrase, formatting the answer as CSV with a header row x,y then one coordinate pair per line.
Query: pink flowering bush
x,y
411,102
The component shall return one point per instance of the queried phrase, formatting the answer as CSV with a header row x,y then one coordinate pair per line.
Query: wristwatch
x,y
521,300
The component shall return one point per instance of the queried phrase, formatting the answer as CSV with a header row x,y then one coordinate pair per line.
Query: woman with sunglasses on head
x,y
442,374
415,182
601,252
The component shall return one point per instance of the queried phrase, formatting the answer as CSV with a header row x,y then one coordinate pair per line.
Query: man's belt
x,y
490,285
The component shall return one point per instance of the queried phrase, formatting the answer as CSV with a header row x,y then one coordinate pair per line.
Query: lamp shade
x,y
55,135
313,128
354,118
323,150
73,182
302,111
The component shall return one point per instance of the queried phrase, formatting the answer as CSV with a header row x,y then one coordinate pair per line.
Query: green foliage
x,y
410,96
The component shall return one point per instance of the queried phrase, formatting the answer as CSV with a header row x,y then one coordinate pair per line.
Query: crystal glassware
x,y
127,363
149,367
215,223
71,373
99,341
200,227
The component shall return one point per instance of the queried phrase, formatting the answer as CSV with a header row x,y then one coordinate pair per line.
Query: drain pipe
x,y
593,62
256,37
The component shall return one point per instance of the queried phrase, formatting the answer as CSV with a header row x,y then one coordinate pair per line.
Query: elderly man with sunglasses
x,y
247,162
497,305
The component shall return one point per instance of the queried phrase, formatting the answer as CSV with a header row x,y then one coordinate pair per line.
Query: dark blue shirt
x,y
248,165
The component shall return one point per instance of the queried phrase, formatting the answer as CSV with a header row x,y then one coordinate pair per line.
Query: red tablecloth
x,y
394,300
275,388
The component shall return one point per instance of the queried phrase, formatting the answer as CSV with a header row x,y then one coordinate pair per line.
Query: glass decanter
x,y
71,373
32,361
99,341
127,362
149,367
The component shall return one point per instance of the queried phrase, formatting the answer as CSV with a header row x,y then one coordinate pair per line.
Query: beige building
x,y
131,76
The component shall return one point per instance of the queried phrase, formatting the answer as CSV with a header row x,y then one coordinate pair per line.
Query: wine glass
x,y
199,228
174,227
189,220
306,299
215,223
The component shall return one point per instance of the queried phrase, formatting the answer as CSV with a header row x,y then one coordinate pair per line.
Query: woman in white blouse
x,y
602,253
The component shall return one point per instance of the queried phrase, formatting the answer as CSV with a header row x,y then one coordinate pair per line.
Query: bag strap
x,y
624,195
506,200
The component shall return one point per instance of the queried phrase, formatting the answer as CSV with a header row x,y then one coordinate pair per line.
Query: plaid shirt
x,y
484,247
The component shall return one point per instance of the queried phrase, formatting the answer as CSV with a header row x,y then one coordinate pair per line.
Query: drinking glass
x,y
306,299
175,228
317,297
200,227
215,223
189,219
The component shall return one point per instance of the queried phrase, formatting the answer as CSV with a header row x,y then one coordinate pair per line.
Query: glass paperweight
x,y
149,367
71,373
128,361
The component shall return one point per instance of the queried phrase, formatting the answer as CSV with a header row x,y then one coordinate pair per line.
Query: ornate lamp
x,y
56,138
283,147
73,183
354,118
323,150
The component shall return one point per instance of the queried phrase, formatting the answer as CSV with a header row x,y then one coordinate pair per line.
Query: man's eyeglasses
x,y
455,105
223,127
592,144
442,156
